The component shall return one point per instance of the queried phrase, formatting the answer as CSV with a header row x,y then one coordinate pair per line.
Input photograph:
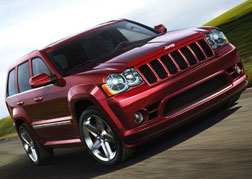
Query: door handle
x,y
39,98
20,103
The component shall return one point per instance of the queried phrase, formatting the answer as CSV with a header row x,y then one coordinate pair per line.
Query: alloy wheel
x,y
99,138
29,145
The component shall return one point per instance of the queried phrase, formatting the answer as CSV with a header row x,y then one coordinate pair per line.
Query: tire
x,y
35,151
100,140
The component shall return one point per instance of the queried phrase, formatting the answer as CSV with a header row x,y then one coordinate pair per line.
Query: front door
x,y
51,117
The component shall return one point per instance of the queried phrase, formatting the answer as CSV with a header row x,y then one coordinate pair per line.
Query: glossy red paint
x,y
39,80
161,28
65,143
64,99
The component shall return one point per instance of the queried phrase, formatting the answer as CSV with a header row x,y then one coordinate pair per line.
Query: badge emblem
x,y
169,46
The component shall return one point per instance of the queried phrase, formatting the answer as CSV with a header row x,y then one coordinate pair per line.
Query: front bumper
x,y
141,134
151,101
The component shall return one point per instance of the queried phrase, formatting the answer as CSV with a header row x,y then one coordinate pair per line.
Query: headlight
x,y
116,83
216,38
120,82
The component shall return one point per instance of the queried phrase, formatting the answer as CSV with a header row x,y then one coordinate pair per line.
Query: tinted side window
x,y
23,77
11,83
38,67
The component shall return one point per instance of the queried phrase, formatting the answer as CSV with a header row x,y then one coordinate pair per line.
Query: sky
x,y
26,25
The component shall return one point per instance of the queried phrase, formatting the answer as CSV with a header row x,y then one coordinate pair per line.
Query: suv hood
x,y
136,53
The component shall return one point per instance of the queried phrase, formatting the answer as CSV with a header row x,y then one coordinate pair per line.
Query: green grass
x,y
237,26
7,130
232,14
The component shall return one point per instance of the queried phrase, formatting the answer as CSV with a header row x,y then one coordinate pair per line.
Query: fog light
x,y
138,117
238,70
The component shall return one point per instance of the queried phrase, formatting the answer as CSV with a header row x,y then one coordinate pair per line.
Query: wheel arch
x,y
80,98
18,122
82,105
21,117
83,96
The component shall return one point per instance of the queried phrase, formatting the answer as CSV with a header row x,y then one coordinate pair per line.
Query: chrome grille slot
x,y
169,64
206,48
178,60
189,56
159,69
197,51
148,74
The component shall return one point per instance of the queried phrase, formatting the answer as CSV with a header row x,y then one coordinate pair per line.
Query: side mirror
x,y
160,28
39,80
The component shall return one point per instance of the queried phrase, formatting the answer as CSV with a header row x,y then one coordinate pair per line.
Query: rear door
x,y
23,98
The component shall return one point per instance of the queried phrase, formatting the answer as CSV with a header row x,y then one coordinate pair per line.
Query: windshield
x,y
98,43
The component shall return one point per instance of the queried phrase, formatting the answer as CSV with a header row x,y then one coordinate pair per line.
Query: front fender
x,y
95,95
87,91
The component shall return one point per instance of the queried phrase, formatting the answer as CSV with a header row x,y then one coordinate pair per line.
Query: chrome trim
x,y
201,101
52,124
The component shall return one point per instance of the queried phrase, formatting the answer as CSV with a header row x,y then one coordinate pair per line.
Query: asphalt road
x,y
218,145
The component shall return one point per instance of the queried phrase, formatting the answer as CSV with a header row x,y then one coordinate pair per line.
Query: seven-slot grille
x,y
176,61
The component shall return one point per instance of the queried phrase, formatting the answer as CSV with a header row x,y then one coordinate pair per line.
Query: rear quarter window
x,y
11,88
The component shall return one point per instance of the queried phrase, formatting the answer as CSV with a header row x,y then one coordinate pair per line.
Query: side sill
x,y
61,143
53,124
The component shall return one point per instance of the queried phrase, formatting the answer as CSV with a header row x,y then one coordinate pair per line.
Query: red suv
x,y
117,85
